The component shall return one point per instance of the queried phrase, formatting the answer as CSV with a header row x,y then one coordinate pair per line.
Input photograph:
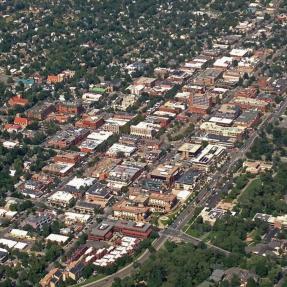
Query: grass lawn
x,y
253,184
92,279
193,232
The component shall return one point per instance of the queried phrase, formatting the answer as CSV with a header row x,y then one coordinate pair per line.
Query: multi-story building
x,y
144,129
160,202
124,210
213,128
61,199
208,77
105,229
200,104
69,157
67,138
166,173
99,194
117,123
124,174
74,108
250,103
87,121
40,111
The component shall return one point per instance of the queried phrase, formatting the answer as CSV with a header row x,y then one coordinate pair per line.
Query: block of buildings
x,y
40,111
124,174
213,128
94,140
64,139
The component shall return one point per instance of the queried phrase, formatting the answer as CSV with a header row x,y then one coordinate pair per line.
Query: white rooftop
x,y
57,238
78,182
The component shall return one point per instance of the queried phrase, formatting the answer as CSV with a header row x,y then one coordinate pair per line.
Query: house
x,y
242,274
18,101
21,121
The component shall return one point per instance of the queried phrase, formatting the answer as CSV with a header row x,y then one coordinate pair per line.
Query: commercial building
x,y
117,123
33,188
68,137
188,150
74,108
61,199
144,129
221,121
248,119
213,128
239,53
223,62
250,103
58,168
41,111
99,194
69,157
161,202
166,173
209,155
200,104
87,121
246,93
94,140
73,217
91,97
124,174
208,77
105,229
103,167
117,149
124,210
83,206
188,180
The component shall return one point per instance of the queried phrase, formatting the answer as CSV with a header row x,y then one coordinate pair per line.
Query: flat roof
x,y
219,120
57,238
98,189
190,147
